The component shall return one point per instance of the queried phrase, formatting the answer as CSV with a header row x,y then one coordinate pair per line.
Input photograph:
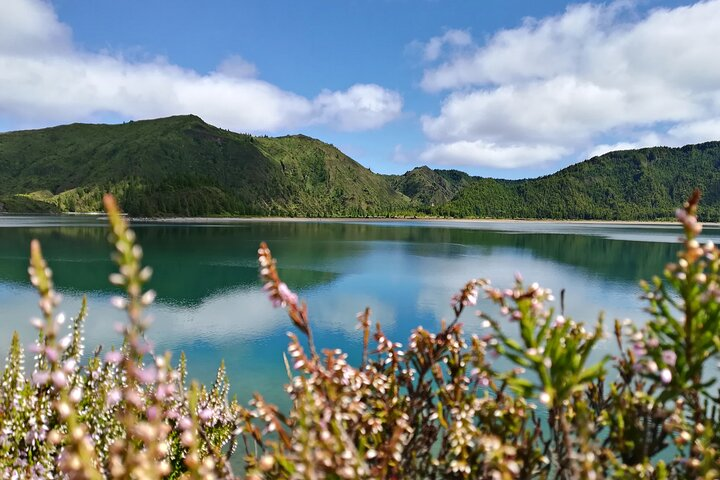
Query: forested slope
x,y
181,166
640,184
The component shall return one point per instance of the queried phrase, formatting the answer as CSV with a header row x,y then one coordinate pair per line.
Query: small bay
x,y
211,305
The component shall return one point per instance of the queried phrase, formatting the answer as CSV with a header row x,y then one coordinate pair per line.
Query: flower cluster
x,y
125,414
438,407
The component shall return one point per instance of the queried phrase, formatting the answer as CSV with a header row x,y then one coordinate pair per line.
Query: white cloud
x,y
560,85
452,38
237,67
694,132
31,27
45,78
489,154
361,107
647,139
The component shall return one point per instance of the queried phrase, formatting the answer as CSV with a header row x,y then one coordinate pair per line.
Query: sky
x,y
502,88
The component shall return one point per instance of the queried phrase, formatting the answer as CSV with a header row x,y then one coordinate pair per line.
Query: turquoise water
x,y
210,303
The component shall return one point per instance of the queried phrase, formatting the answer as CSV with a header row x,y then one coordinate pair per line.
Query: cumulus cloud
x,y
31,27
644,140
45,78
361,107
696,131
500,156
452,38
237,67
565,84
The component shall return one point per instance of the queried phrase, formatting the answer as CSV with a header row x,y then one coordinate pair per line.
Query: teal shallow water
x,y
211,306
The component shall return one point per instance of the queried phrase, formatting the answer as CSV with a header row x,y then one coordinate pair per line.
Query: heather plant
x,y
530,396
125,414
438,408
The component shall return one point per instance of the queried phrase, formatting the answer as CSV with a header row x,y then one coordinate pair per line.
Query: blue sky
x,y
495,87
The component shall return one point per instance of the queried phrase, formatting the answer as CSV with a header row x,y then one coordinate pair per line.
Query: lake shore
x,y
231,220
427,220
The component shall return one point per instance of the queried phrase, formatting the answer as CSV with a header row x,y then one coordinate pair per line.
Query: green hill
x,y
643,184
181,166
430,187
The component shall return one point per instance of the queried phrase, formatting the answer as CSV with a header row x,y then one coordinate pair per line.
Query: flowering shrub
x,y
434,408
125,414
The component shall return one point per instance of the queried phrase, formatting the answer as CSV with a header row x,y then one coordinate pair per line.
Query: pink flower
x,y
113,397
471,298
665,376
118,302
75,395
114,356
69,365
205,414
59,379
185,423
163,391
669,357
52,354
152,413
146,375
639,349
40,378
286,295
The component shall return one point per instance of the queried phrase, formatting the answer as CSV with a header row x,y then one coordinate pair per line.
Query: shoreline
x,y
240,220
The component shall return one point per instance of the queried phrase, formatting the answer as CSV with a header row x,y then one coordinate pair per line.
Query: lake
x,y
210,303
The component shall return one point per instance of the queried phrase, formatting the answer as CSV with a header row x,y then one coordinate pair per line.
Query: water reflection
x,y
210,304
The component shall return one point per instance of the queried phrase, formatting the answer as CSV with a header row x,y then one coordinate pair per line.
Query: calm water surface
x,y
211,306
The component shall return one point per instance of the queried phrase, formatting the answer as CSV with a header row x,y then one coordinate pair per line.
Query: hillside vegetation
x,y
627,185
181,166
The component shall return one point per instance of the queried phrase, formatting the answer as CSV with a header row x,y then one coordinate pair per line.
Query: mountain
x,y
181,166
644,184
430,187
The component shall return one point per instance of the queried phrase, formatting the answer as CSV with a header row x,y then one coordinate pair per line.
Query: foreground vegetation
x,y
181,166
437,407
